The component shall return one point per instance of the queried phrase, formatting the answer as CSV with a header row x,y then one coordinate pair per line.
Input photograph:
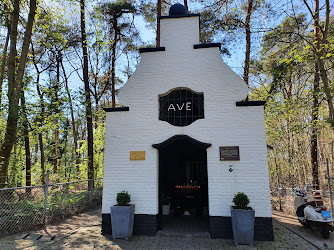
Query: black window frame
x,y
180,96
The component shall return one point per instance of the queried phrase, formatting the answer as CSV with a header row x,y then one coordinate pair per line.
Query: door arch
x,y
183,180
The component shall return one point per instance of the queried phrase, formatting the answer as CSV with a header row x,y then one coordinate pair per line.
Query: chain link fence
x,y
26,208
282,199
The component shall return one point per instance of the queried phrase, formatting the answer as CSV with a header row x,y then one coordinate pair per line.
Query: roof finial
x,y
178,10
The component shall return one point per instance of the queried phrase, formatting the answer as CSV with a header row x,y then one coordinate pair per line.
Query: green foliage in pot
x,y
123,198
240,200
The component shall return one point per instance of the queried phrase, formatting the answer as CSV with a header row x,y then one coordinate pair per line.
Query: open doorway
x,y
183,186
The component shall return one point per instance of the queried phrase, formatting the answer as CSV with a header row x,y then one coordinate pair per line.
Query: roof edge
x,y
116,109
181,137
250,103
179,16
154,49
207,45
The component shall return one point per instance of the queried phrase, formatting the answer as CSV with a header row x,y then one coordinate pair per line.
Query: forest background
x,y
63,61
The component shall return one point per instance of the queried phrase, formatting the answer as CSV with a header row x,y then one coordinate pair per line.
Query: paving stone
x,y
84,232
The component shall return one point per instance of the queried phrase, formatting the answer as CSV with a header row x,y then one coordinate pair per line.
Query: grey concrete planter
x,y
243,226
122,218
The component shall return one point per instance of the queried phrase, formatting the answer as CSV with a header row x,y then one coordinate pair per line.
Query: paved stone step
x,y
204,235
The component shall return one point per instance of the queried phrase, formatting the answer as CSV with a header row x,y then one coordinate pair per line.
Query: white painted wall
x,y
201,70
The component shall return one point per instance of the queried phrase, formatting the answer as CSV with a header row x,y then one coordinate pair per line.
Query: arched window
x,y
181,106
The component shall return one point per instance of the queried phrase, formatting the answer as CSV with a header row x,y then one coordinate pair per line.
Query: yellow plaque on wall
x,y
137,155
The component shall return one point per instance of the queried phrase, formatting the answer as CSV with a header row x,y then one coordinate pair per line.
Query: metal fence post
x,y
329,186
46,196
278,191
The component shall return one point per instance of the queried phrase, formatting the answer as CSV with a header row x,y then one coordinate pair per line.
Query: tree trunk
x,y
74,131
14,169
55,157
26,141
186,4
41,146
315,108
158,23
113,61
327,88
248,41
56,103
96,112
3,63
320,55
96,98
40,124
87,95
14,84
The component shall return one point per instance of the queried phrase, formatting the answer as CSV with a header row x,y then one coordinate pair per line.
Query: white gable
x,y
180,65
224,124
